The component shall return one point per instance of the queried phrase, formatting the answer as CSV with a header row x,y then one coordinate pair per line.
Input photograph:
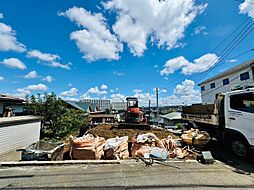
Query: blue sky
x,y
112,49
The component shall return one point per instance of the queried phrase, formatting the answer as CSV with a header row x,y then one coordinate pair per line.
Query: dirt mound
x,y
109,131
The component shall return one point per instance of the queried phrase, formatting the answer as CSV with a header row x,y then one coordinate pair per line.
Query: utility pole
x,y
157,100
149,105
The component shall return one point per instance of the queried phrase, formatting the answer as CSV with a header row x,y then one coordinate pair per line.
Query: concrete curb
x,y
65,162
87,162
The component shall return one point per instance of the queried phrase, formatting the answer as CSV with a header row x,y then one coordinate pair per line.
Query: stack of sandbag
x,y
87,147
148,144
142,144
195,137
116,148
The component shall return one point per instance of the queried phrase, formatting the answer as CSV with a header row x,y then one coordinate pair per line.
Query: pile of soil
x,y
109,131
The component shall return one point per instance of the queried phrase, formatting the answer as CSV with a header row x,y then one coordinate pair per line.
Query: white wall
x,y
208,96
20,135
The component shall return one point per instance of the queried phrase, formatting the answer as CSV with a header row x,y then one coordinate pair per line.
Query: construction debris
x,y
109,131
88,147
42,151
195,137
116,148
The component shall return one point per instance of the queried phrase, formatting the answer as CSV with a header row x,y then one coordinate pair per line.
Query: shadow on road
x,y
224,155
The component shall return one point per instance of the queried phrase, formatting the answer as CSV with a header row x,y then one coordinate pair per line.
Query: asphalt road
x,y
130,175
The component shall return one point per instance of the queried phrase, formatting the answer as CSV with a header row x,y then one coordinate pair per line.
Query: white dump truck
x,y
230,118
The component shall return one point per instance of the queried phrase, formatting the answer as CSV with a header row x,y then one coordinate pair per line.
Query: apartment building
x,y
241,75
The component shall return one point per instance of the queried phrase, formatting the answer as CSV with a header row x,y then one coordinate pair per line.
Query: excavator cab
x,y
133,112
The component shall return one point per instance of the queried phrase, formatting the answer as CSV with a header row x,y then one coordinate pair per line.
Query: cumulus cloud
x,y
49,59
118,73
117,97
95,40
8,39
13,63
96,90
48,79
85,96
104,87
247,7
198,65
1,78
22,92
31,75
71,92
1,16
200,30
60,65
42,56
163,22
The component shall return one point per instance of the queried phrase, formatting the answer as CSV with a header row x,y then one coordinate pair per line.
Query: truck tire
x,y
238,146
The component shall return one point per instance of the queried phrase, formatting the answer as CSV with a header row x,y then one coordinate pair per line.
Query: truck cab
x,y
239,120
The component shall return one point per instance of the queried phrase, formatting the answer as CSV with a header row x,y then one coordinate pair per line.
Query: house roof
x,y
172,115
84,106
229,71
6,98
74,104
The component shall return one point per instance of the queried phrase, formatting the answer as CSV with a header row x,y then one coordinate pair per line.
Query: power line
x,y
222,42
231,46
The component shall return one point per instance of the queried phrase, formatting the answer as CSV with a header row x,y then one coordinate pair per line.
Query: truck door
x,y
241,114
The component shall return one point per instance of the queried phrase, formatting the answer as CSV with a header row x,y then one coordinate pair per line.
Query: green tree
x,y
57,119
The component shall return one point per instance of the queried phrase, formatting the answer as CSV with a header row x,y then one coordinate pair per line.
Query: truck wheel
x,y
239,147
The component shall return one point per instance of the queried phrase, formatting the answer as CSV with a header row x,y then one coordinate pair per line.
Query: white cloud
x,y
60,65
14,63
95,40
201,64
50,59
173,65
200,30
163,22
31,75
232,61
85,96
247,7
48,79
8,39
104,87
1,15
96,90
198,65
28,90
33,87
118,73
117,97
136,91
71,92
42,56
1,78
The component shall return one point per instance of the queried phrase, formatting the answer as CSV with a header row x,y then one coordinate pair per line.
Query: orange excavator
x,y
134,118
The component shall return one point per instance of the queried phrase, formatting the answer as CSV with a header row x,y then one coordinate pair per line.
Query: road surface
x,y
130,175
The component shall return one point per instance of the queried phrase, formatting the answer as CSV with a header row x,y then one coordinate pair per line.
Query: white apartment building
x,y
240,75
101,104
119,106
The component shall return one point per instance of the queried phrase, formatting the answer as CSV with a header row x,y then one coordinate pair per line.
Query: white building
x,y
119,106
101,104
17,132
240,75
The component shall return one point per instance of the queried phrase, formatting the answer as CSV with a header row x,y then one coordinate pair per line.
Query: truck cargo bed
x,y
201,114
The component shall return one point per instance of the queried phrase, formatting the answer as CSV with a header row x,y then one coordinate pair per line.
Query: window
x,y
244,76
225,81
212,85
242,102
202,88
